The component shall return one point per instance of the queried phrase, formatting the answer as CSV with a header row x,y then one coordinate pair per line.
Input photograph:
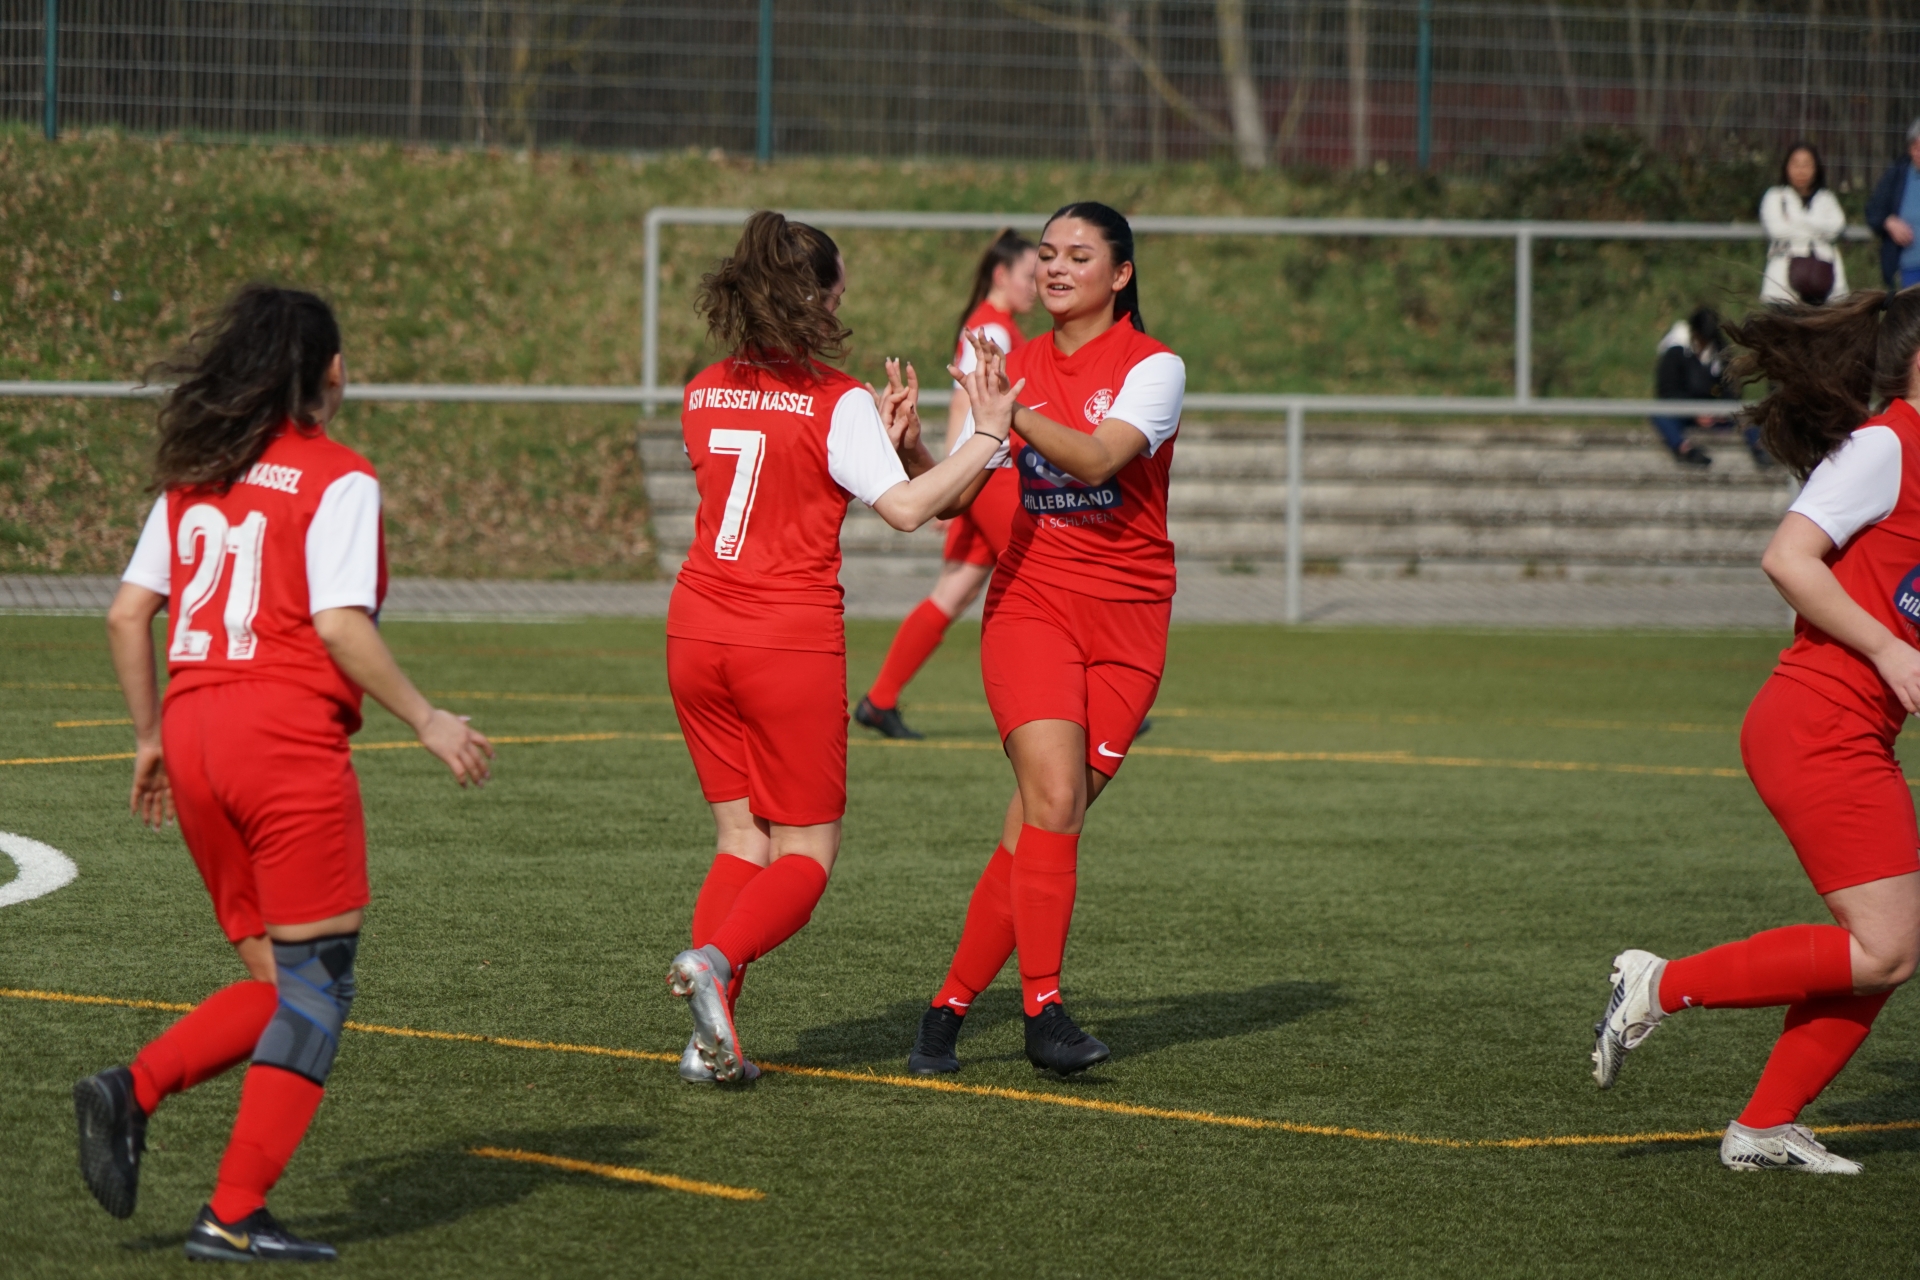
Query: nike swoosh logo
x,y
1039,405
240,1241
1111,755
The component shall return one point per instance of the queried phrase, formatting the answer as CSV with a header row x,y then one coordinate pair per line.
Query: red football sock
x,y
1044,879
220,1032
1820,1036
912,645
772,909
1781,966
725,879
986,940
275,1109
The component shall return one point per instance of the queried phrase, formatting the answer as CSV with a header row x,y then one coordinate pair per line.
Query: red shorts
x,y
268,803
1832,783
1048,654
980,535
767,725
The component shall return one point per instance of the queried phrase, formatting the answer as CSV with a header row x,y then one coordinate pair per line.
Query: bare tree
x,y
1357,83
1243,98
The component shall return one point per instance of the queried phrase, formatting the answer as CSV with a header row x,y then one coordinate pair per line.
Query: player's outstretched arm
x,y
357,649
899,407
1090,459
130,640
942,487
1796,561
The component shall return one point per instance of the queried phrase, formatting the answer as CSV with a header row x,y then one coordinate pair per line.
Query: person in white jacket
x,y
1803,220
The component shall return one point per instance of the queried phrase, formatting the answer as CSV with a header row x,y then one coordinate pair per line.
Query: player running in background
x,y
1818,739
756,649
1003,286
1075,633
265,548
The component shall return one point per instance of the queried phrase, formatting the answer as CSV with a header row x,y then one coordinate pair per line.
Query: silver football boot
x,y
694,1068
1784,1146
1632,1013
692,977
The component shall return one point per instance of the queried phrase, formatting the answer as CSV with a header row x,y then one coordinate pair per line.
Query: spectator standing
x,y
1803,222
1893,211
1692,365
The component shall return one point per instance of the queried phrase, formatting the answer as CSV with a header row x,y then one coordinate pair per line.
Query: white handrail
x,y
1294,406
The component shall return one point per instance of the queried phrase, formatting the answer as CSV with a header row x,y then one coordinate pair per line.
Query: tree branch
x,y
1149,67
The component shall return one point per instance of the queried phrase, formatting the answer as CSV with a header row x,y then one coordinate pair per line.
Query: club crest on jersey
x,y
1099,404
1046,490
1906,596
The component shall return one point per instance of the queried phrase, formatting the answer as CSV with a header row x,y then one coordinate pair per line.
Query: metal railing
x,y
1522,233
1295,407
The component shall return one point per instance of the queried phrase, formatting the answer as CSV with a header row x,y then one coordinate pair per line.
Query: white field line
x,y
43,869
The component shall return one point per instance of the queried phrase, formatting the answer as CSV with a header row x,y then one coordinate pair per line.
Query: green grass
x,y
1402,948
465,266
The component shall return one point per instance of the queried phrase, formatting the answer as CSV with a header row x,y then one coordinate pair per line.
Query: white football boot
x,y
1784,1146
694,1068
692,977
1632,1013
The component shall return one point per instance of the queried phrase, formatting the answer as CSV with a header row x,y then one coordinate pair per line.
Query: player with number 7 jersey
x,y
780,443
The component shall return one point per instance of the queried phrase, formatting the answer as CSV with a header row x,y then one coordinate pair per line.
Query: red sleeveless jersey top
x,y
244,571
1109,540
776,457
1880,569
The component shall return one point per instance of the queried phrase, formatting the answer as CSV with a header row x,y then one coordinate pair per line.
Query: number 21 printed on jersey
x,y
206,535
750,448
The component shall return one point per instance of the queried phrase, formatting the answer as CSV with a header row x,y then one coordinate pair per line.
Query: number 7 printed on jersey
x,y
750,448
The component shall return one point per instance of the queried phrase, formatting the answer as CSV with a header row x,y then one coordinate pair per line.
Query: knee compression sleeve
x,y
316,991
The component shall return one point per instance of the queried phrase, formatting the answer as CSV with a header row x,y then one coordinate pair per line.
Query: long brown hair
x,y
260,364
1830,367
767,303
1007,249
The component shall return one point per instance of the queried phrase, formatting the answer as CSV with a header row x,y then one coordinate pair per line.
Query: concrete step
x,y
1395,495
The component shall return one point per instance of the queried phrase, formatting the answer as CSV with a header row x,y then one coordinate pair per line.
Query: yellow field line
x,y
396,745
88,724
1350,717
111,755
621,1173
934,1085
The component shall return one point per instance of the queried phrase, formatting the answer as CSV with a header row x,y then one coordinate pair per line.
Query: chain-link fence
x,y
1329,82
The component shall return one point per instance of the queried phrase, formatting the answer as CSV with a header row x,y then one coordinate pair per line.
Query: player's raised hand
x,y
992,399
904,428
152,798
461,747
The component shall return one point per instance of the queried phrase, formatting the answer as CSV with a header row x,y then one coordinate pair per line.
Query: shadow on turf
x,y
415,1190
1133,1027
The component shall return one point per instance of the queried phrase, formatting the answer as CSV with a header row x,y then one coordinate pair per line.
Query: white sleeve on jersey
x,y
1002,456
1857,485
343,546
1150,398
996,334
860,458
152,563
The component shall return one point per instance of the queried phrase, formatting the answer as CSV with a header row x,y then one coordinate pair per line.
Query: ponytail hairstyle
x,y
767,304
1007,249
261,364
1119,237
1829,367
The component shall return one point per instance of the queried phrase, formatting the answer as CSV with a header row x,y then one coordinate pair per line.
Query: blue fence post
x,y
763,141
1426,83
50,92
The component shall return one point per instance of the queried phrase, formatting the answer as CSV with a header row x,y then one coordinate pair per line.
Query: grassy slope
x,y
482,267
1397,948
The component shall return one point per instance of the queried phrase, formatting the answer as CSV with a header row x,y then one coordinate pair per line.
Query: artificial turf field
x,y
1366,881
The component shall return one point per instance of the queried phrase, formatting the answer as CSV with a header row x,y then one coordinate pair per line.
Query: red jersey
x,y
1879,566
1109,540
245,571
1001,331
776,458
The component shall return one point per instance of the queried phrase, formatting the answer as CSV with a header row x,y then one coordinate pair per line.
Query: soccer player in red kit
x,y
1075,633
780,442
1818,739
265,548
1003,286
